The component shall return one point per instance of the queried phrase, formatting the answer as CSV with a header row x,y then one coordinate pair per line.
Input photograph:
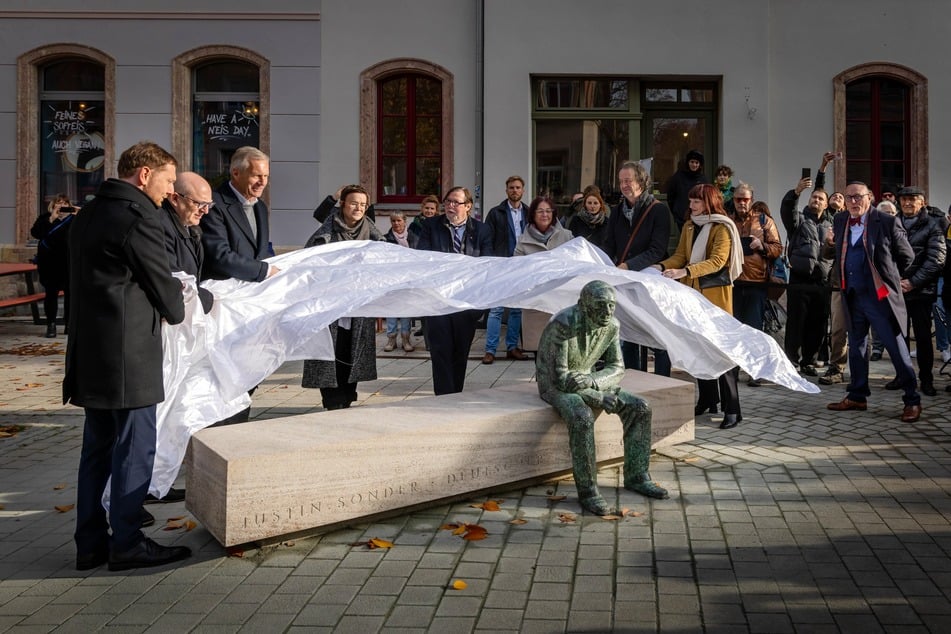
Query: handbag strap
x,y
634,233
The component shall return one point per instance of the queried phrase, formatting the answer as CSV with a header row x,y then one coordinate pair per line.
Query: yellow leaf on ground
x,y
172,526
190,525
567,518
59,487
234,551
518,521
557,498
459,530
175,519
488,505
459,584
63,508
376,542
611,518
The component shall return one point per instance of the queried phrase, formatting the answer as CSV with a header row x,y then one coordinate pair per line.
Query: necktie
x,y
457,233
249,212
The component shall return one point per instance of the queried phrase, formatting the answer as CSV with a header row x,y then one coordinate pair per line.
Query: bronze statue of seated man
x,y
571,345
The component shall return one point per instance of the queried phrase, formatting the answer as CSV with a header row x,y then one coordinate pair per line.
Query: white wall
x,y
358,35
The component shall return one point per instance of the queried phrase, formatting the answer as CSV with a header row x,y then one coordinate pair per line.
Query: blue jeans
x,y
404,326
493,328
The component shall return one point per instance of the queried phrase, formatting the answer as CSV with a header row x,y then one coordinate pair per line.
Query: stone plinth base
x,y
260,480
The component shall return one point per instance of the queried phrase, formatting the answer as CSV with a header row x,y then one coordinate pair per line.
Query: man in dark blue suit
x,y
872,252
122,292
450,336
235,231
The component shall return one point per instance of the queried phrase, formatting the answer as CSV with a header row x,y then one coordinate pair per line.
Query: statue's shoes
x,y
648,488
597,505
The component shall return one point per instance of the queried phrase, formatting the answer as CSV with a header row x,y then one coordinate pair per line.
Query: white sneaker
x,y
914,354
946,355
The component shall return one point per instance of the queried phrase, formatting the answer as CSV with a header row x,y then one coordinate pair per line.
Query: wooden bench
x,y
310,473
31,298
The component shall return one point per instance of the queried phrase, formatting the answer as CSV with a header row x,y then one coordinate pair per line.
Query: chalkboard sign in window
x,y
224,116
72,130
220,128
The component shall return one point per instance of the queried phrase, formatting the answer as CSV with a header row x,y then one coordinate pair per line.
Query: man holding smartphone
x,y
807,294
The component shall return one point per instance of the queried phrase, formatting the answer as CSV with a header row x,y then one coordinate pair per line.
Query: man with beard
x,y
807,295
506,223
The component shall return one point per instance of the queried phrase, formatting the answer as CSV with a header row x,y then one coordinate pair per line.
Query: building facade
x,y
411,98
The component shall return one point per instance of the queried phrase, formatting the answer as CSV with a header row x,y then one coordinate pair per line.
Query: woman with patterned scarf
x,y
591,221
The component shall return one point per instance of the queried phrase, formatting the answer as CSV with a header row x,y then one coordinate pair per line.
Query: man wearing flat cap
x,y
919,283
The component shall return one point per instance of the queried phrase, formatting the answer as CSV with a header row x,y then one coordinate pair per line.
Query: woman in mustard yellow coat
x,y
708,258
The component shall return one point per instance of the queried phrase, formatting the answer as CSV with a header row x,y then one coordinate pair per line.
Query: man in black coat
x,y
235,231
873,251
123,291
184,209
450,336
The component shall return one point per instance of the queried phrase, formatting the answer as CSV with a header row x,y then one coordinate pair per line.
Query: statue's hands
x,y
578,381
610,402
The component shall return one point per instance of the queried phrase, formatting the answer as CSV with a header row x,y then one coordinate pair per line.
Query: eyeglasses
x,y
358,205
740,199
449,202
198,203
544,211
855,197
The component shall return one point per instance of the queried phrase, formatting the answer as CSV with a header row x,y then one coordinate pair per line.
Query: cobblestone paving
x,y
798,520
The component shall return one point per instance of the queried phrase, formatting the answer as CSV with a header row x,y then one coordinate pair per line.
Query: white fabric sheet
x,y
211,361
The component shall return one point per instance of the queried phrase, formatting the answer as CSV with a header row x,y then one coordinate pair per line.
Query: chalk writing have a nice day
x,y
224,126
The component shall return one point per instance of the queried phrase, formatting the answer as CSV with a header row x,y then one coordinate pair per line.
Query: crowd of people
x,y
858,274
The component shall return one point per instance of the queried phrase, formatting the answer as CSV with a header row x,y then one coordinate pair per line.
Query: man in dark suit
x,y
184,209
450,336
873,253
235,230
123,291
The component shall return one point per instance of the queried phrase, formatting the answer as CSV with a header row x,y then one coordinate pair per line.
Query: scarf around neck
x,y
361,231
703,225
540,236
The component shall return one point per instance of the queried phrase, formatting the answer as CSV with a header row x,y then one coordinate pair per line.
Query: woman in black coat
x,y
354,337
52,230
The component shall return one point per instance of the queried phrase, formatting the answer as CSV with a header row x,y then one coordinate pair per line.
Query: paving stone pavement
x,y
798,520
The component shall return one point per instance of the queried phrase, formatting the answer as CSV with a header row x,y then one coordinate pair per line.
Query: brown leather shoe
x,y
847,404
488,358
911,413
516,353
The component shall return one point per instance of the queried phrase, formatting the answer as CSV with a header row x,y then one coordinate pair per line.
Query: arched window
x,y
409,122
64,127
406,130
221,97
881,126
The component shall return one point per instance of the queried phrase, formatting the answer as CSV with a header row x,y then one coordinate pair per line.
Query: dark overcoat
x,y
184,249
122,289
319,373
231,248
890,254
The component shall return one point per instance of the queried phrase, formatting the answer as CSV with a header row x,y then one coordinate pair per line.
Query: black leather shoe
x,y
730,421
50,331
147,518
173,495
88,561
876,356
928,389
146,554
700,409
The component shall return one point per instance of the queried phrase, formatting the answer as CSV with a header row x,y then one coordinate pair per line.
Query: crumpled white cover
x,y
212,360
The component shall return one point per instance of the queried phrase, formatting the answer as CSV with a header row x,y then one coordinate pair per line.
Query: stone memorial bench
x,y
264,479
